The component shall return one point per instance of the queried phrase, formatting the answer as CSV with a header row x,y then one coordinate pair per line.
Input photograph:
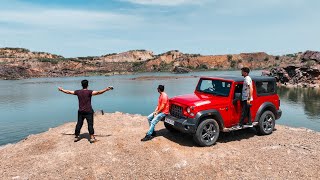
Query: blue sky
x,y
95,27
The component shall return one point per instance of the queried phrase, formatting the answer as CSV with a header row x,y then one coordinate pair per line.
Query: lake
x,y
32,106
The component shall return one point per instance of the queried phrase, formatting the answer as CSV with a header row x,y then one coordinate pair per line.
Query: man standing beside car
x,y
247,91
160,112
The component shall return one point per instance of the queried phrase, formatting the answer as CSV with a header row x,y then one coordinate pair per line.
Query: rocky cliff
x,y
17,63
305,73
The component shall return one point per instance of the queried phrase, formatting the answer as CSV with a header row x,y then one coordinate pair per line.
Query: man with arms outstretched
x,y
85,109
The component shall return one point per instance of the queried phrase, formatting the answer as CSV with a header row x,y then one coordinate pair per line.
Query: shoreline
x,y
73,122
117,112
302,86
119,153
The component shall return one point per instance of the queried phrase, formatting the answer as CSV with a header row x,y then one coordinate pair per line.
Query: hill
x,y
19,63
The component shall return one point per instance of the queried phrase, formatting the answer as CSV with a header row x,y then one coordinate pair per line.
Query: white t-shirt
x,y
246,88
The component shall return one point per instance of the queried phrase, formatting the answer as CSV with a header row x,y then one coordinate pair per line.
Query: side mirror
x,y
237,97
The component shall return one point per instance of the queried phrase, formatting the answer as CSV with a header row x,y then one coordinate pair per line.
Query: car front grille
x,y
176,111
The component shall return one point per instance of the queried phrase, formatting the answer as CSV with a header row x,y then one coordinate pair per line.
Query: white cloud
x,y
166,2
66,18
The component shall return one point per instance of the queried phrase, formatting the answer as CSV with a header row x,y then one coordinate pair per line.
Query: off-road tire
x,y
207,133
266,123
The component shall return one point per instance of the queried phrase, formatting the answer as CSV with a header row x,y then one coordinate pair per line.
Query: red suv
x,y
215,106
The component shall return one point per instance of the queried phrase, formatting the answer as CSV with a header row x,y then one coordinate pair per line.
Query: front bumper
x,y
185,125
279,113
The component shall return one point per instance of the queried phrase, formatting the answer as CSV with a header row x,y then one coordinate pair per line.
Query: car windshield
x,y
215,87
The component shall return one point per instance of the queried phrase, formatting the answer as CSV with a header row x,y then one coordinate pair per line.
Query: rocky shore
x,y
288,153
305,73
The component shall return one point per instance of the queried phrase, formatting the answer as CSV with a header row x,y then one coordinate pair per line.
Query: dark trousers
x,y
81,117
245,113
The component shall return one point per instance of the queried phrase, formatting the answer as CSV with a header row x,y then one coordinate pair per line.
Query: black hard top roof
x,y
240,78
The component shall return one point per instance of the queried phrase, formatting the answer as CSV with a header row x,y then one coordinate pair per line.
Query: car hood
x,y
197,99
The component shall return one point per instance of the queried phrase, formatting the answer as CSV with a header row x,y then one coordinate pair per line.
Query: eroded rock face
x,y
130,56
180,70
311,55
40,64
306,74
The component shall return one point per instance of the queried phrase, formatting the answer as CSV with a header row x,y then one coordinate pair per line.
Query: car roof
x,y
240,78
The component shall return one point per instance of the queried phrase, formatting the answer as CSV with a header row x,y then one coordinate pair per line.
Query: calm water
x,y
34,105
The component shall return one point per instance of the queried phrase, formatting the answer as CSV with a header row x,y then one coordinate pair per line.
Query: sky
x,y
74,28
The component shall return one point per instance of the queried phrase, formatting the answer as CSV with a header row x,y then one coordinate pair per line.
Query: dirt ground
x,y
288,153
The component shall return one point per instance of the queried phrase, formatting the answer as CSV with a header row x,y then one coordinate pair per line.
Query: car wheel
x,y
207,133
266,123
170,128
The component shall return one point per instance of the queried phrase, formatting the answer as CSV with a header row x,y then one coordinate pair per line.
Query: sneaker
x,y
154,134
240,126
249,125
147,138
93,140
76,138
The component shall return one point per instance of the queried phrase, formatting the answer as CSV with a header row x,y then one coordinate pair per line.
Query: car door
x,y
236,104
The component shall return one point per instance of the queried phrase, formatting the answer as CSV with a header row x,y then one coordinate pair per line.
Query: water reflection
x,y
307,98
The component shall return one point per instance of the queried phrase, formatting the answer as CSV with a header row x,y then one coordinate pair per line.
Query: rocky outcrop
x,y
180,70
311,56
130,56
305,74
40,64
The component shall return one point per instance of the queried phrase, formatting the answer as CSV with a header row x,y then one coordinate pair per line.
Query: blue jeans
x,y
153,120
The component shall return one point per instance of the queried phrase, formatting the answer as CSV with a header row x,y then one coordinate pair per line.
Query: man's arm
x,y
65,91
94,93
158,110
250,92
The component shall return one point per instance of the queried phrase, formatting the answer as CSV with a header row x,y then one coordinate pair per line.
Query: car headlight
x,y
190,109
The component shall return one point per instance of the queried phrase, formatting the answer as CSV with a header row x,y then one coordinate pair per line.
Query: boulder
x,y
179,69
311,55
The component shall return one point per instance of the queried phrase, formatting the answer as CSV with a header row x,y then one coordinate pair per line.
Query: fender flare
x,y
263,107
211,112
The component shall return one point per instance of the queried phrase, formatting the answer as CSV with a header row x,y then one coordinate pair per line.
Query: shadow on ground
x,y
187,139
85,136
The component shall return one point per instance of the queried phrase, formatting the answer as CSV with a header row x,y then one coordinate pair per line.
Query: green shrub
x,y
203,66
137,64
52,61
229,57
233,64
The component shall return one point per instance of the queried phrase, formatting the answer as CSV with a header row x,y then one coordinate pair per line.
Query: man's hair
x,y
84,83
245,69
161,88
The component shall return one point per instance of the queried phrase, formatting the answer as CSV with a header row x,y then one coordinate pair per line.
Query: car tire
x,y
266,123
207,133
170,127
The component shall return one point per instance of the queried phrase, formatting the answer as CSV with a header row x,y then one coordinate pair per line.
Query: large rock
x,y
179,69
129,56
296,75
311,55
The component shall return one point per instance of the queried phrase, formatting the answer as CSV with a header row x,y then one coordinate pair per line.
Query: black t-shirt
x,y
84,97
